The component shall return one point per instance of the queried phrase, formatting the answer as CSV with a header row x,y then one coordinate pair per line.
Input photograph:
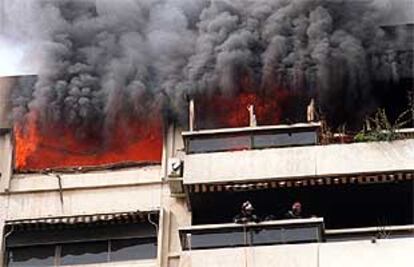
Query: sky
x,y
11,58
14,49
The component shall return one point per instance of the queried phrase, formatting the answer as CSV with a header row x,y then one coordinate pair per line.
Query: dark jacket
x,y
246,218
291,215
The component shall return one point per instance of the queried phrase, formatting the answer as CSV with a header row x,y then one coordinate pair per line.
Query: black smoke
x,y
104,59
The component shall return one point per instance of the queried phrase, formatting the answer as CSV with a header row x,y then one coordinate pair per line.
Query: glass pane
x,y
301,234
80,234
221,239
284,139
31,256
82,253
201,145
266,236
133,249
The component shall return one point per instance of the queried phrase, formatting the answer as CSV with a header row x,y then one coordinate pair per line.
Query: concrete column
x,y
3,216
6,84
6,161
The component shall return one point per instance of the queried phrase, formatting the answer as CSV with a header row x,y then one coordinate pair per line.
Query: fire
x,y
60,147
220,111
140,140
26,140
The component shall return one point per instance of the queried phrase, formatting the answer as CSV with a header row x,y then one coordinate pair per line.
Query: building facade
x,y
357,201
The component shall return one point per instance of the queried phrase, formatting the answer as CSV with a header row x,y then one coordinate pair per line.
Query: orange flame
x,y
140,141
231,111
26,140
133,140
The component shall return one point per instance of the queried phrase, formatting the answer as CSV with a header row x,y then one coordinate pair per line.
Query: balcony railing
x,y
380,232
281,232
204,141
252,234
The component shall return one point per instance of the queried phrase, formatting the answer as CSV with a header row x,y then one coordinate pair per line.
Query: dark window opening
x,y
394,98
89,244
341,206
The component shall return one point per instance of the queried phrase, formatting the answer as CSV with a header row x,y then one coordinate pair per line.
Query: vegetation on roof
x,y
379,127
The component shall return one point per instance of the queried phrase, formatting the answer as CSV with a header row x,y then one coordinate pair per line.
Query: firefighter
x,y
246,214
295,212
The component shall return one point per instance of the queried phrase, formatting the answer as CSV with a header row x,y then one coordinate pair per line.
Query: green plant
x,y
381,129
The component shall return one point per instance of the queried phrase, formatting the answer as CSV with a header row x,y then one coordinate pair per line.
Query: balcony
x,y
309,245
322,177
277,164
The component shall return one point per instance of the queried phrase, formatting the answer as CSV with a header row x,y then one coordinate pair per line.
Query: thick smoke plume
x,y
106,59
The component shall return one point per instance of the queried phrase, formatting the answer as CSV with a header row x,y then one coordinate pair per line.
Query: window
x,y
32,256
78,246
83,253
133,249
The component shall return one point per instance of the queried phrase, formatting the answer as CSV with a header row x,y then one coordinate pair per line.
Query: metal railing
x,y
379,232
247,138
252,234
281,232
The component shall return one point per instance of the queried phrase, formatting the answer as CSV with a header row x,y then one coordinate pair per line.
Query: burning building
x,y
108,81
148,125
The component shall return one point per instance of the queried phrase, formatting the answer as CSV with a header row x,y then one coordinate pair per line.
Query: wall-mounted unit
x,y
175,177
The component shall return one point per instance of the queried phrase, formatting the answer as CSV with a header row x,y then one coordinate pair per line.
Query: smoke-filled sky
x,y
99,59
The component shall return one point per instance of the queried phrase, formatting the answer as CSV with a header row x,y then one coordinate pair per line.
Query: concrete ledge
x,y
383,253
292,162
34,205
21,183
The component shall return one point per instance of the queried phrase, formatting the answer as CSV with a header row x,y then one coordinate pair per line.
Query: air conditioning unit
x,y
175,177
175,167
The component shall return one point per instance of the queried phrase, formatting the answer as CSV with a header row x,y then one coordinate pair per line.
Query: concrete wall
x,y
6,84
35,196
142,263
77,202
38,196
6,158
383,253
96,179
299,161
176,210
5,152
